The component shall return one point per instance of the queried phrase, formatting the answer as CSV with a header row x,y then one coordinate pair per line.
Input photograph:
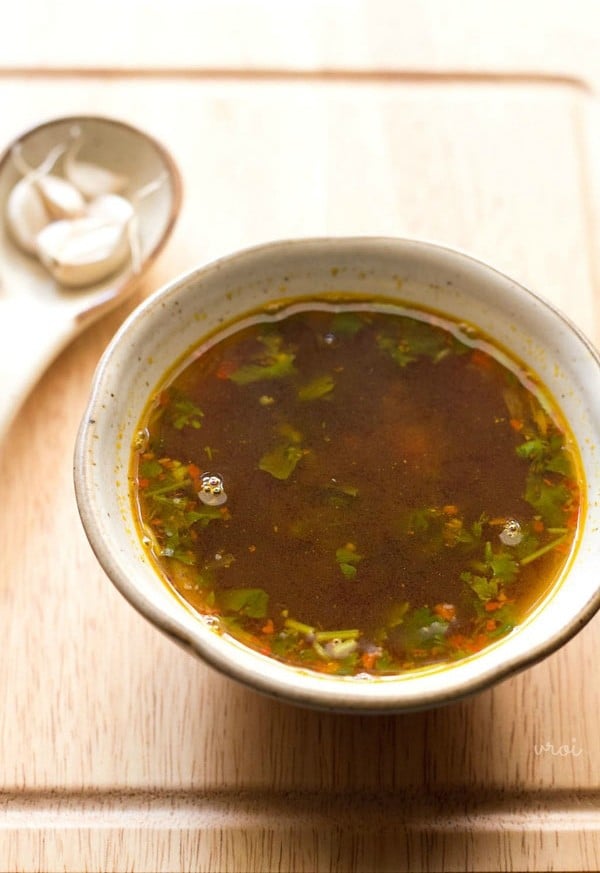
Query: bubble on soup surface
x,y
212,492
511,534
141,440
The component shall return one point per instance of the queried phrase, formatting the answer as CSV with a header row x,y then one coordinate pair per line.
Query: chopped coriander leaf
x,y
533,449
347,666
485,589
219,562
560,464
496,570
320,386
396,614
422,628
182,412
252,602
416,339
283,645
150,469
349,490
347,559
548,499
340,496
348,554
278,367
420,521
289,432
399,352
503,567
347,323
547,455
274,363
281,460
471,536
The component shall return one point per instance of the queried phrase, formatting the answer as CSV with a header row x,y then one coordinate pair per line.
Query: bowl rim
x,y
312,689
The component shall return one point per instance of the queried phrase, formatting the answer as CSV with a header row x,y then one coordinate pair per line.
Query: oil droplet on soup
x,y
393,490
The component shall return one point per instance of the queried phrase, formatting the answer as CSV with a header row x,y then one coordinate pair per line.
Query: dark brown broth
x,y
385,525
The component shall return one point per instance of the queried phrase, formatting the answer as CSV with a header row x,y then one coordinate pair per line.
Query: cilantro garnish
x,y
546,455
281,460
317,388
183,412
347,323
549,499
422,629
503,566
272,363
416,339
485,589
150,469
496,570
348,558
173,509
252,602
399,352
340,496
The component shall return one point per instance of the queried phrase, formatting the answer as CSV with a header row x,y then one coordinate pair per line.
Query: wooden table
x,y
476,125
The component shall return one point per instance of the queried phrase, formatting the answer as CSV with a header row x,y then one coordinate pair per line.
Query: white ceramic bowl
x,y
181,314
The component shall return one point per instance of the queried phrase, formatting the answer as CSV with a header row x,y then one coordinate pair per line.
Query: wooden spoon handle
x,y
31,335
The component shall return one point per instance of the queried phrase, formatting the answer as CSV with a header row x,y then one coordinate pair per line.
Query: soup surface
x,y
356,488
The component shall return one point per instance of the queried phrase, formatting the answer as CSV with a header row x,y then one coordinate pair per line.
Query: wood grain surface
x,y
121,752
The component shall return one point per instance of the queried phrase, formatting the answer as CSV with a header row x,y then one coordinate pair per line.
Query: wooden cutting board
x,y
121,752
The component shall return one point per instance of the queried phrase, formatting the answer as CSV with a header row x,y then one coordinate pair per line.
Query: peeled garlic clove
x,y
26,215
61,198
38,198
111,207
115,208
82,251
91,179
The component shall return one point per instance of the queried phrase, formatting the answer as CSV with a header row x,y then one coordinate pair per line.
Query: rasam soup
x,y
356,488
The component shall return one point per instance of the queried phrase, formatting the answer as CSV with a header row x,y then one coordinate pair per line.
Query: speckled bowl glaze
x,y
183,313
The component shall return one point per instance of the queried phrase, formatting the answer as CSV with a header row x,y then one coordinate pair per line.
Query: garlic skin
x,y
82,251
91,179
26,215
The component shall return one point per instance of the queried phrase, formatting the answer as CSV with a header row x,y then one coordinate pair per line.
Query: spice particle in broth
x,y
356,489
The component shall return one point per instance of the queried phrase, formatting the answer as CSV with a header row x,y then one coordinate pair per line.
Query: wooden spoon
x,y
38,317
